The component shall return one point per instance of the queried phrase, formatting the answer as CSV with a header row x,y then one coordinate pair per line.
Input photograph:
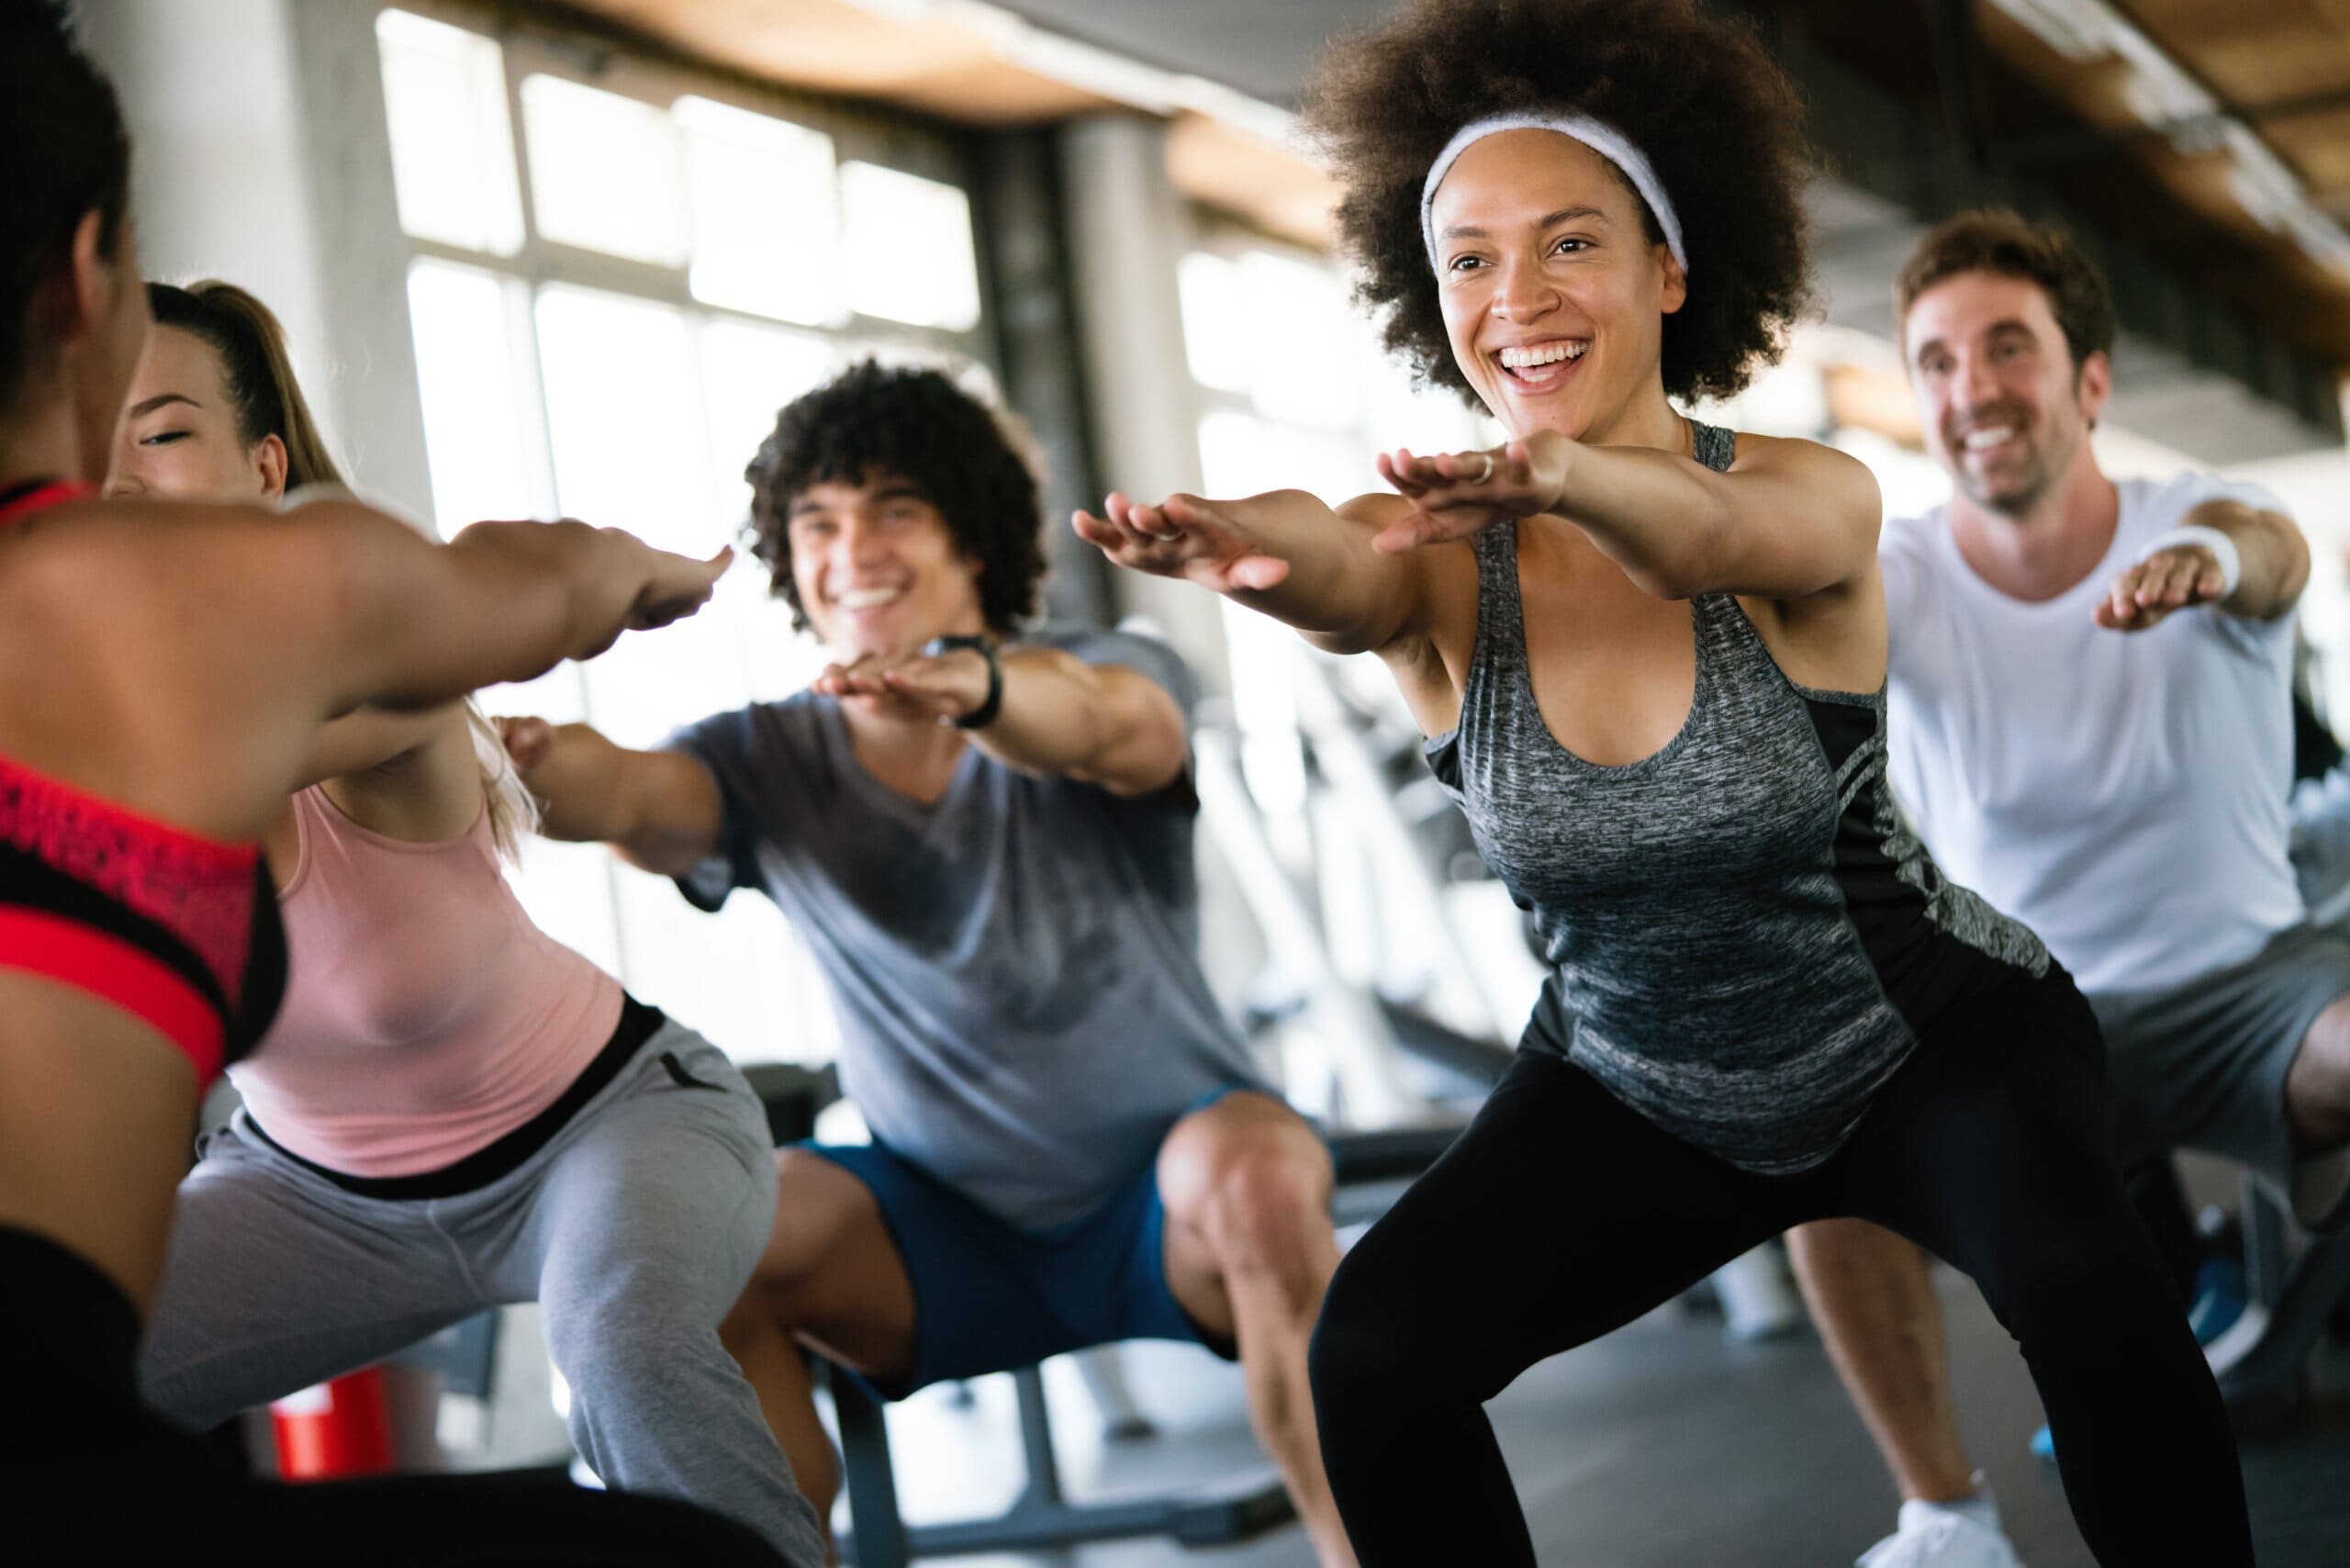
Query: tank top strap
x,y
1721,626
1712,446
1500,632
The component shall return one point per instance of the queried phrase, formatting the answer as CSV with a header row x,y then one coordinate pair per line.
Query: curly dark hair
x,y
917,425
1719,121
1996,240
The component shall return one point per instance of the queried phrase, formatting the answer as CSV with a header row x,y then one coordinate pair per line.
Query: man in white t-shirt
x,y
2091,725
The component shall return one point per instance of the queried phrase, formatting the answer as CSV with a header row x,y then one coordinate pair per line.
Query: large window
x,y
614,281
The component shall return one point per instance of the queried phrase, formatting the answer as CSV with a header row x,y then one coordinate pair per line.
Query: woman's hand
x,y
605,580
944,686
1455,494
1184,537
676,586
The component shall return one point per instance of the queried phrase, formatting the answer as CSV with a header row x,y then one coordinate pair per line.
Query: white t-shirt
x,y
2122,793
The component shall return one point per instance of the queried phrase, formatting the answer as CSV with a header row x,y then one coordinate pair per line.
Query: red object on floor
x,y
335,1430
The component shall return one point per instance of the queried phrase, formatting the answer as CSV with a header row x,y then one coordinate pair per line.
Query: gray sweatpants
x,y
633,1228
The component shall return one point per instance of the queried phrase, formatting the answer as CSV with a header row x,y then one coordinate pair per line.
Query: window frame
x,y
858,134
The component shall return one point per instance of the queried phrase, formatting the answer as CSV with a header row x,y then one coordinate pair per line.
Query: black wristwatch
x,y
980,717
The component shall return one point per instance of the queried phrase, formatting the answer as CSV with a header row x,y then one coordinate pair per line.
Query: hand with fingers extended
x,y
676,586
1455,494
2173,579
945,686
1202,541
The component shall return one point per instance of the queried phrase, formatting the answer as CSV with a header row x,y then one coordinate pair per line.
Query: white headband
x,y
1597,134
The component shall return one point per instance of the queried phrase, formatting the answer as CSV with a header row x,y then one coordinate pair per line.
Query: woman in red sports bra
x,y
162,671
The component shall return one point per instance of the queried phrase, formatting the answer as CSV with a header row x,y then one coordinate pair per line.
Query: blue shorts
x,y
989,1297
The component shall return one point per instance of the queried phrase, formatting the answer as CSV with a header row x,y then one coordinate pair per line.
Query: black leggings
x,y
89,1477
1560,1215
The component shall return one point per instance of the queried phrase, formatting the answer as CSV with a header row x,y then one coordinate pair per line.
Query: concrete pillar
x,y
1128,229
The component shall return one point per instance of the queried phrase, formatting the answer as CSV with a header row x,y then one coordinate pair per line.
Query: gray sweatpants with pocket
x,y
633,1228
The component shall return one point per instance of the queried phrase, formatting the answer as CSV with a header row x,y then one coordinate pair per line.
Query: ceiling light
x,y
2077,30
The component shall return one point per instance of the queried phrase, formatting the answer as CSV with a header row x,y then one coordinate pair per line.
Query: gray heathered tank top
x,y
1745,940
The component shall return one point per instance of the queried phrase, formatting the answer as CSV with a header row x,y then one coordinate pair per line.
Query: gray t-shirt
x,y
1015,968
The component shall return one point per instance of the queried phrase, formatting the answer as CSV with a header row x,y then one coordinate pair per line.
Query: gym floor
x,y
1661,1447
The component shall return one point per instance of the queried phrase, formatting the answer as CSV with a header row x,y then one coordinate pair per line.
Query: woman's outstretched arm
x,y
1790,519
1283,553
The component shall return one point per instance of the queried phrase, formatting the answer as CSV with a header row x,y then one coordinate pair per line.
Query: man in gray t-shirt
x,y
986,841
1014,965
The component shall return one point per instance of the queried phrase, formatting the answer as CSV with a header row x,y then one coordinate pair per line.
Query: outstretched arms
x,y
1103,725
2273,565
660,811
1791,518
1283,553
501,601
237,633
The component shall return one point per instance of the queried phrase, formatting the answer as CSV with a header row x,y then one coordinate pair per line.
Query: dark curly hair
x,y
1998,241
1719,121
917,425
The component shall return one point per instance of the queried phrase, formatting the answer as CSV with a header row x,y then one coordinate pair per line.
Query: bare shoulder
x,y
197,557
150,640
1840,478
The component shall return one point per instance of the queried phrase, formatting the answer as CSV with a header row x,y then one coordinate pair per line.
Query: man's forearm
x,y
2272,559
579,787
1060,715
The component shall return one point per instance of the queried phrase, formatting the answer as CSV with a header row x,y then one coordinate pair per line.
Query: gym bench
x,y
1042,1517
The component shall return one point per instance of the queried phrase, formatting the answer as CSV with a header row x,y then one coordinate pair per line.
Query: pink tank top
x,y
426,1017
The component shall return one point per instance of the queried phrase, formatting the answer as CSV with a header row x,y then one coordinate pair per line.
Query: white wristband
x,y
2222,548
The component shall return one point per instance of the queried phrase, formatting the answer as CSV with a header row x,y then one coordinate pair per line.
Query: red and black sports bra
x,y
178,930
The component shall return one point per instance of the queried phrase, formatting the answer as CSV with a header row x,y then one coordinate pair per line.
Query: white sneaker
x,y
1942,1539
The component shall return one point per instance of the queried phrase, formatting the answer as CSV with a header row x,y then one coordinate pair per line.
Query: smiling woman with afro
x,y
1649,655
1717,117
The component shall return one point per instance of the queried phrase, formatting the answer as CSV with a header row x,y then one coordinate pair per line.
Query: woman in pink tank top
x,y
452,1112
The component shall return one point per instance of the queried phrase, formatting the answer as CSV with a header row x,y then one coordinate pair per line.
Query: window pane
x,y
621,401
474,422
452,146
766,234
1241,454
1215,322
906,248
1305,338
605,171
564,888
748,374
1426,419
624,426
473,408
740,975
